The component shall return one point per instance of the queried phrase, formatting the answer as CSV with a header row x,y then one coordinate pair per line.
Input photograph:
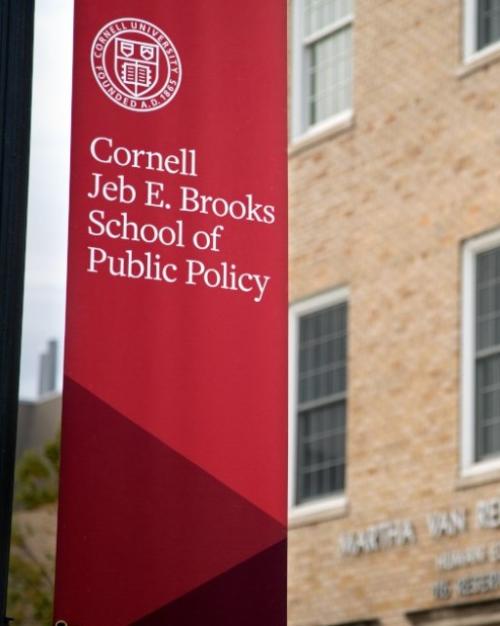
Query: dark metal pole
x,y
16,57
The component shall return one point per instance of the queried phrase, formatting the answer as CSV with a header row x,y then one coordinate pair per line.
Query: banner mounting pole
x,y
16,62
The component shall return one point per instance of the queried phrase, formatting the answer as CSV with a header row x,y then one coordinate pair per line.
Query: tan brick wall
x,y
383,208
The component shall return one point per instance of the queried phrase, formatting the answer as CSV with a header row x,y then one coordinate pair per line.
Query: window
x,y
481,353
482,26
488,22
488,353
322,62
319,398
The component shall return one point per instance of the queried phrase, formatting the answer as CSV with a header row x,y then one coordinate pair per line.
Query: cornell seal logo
x,y
136,64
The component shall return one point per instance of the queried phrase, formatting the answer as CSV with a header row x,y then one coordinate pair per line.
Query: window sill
x,y
479,474
315,513
326,130
479,60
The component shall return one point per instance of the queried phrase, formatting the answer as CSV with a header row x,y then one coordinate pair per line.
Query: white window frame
x,y
300,127
471,53
471,249
296,311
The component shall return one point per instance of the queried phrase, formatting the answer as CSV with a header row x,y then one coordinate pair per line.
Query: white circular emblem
x,y
136,64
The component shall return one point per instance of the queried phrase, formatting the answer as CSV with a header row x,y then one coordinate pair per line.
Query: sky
x,y
45,278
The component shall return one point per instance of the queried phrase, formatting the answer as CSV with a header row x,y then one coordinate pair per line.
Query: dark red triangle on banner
x,y
147,526
251,594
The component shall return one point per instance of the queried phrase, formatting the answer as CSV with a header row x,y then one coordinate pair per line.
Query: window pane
x,y
322,13
330,75
322,353
488,22
488,406
322,405
488,299
321,451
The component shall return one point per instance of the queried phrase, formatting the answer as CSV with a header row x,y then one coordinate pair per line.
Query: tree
x,y
31,576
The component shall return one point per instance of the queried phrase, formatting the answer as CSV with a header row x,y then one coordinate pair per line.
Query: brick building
x,y
395,312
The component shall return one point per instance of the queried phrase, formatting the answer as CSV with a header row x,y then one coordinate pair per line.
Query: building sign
x,y
383,536
439,525
173,470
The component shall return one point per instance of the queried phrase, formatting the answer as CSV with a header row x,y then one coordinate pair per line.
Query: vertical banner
x,y
173,469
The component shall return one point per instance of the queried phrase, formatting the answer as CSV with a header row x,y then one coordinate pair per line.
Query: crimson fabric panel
x,y
173,469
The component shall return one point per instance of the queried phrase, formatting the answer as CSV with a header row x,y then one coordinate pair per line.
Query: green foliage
x,y
37,477
31,575
30,584
53,454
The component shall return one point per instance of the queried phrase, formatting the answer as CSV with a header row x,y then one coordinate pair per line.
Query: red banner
x,y
173,471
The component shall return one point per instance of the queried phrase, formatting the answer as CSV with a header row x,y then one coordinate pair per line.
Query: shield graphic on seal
x,y
137,65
